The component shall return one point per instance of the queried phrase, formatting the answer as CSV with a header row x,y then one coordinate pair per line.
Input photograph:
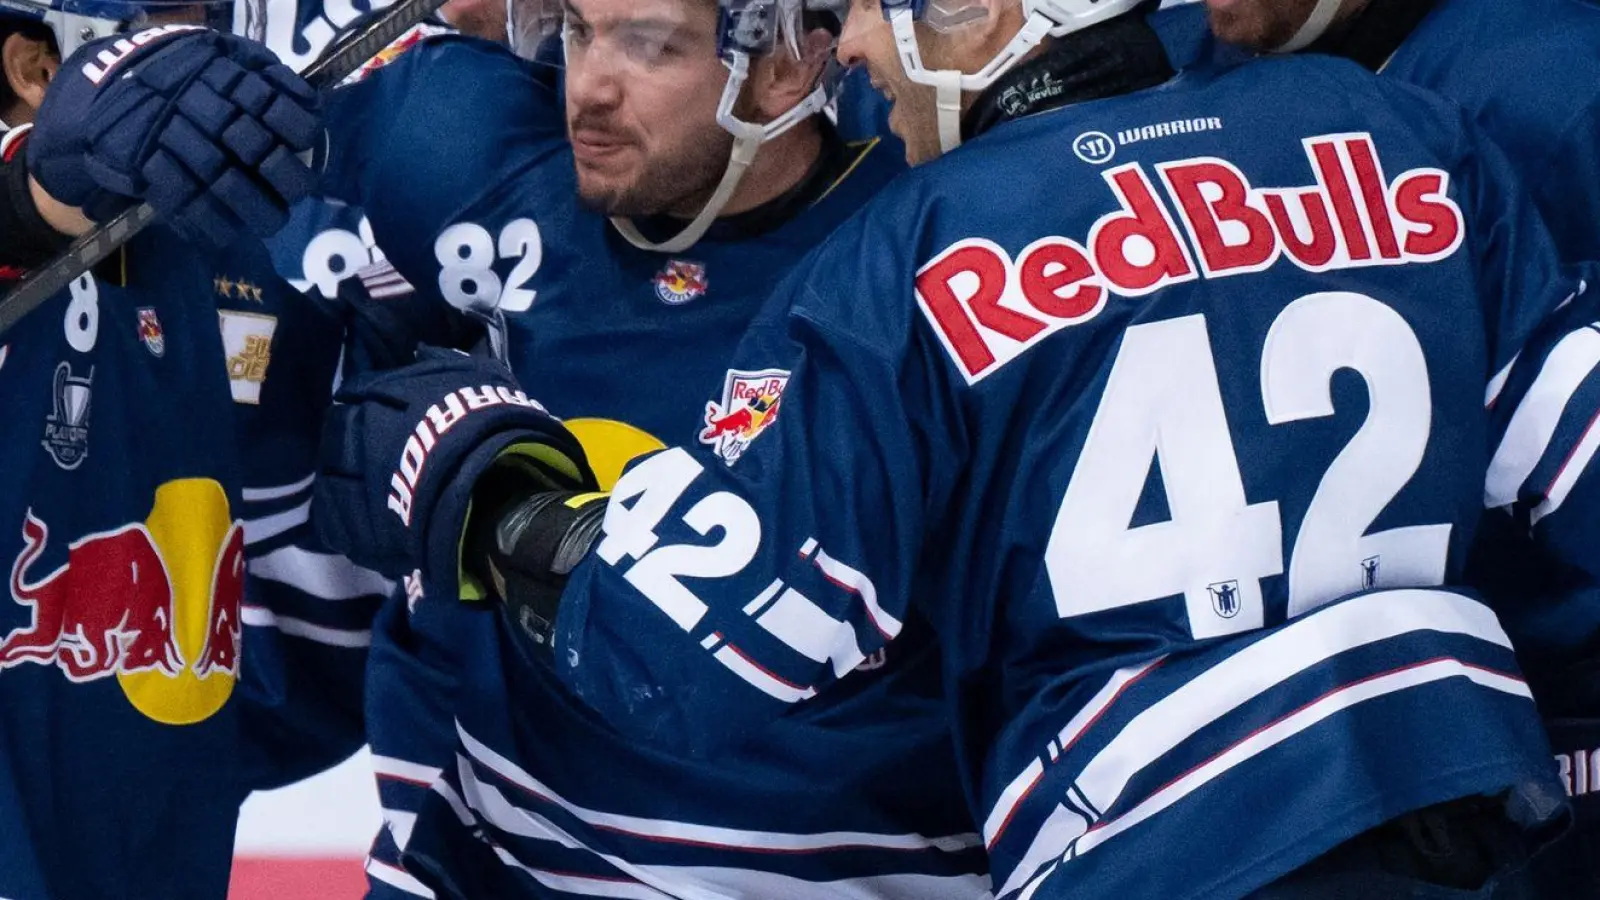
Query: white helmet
x,y
77,22
1043,18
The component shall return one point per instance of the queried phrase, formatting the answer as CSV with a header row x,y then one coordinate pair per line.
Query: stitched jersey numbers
x,y
1162,402
466,253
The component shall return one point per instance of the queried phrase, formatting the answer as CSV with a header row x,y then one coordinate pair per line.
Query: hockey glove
x,y
204,126
402,449
522,543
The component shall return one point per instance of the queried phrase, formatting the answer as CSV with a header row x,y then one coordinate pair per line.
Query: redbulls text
x,y
1206,221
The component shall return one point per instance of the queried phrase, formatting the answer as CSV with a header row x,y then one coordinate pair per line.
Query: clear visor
x,y
77,22
623,43
533,29
643,37
942,16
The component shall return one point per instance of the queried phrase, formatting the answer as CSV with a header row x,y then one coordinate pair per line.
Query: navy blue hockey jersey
x,y
537,797
124,541
1172,440
140,559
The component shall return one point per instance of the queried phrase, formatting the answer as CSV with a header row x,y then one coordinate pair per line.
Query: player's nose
x,y
593,85
853,38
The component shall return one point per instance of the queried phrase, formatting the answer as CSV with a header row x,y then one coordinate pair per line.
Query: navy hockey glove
x,y
204,126
402,449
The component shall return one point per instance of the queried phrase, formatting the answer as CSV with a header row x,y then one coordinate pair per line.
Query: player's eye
x,y
579,33
645,46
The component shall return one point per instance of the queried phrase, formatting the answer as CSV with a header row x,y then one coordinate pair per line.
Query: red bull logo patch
x,y
154,604
150,332
749,406
680,282
397,48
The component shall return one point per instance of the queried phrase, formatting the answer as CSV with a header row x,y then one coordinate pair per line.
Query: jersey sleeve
x,y
307,614
389,155
1543,399
1542,481
1521,280
1535,554
745,571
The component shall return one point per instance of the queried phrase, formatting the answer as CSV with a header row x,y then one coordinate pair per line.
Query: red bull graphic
x,y
680,282
414,36
749,406
610,445
130,630
151,333
154,604
220,653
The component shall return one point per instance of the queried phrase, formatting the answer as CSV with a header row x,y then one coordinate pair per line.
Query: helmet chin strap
x,y
950,84
747,140
1317,23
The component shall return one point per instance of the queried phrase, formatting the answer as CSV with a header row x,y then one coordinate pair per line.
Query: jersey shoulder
x,y
393,112
437,72
1552,46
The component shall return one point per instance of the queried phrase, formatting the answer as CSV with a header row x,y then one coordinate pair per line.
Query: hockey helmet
x,y
1042,18
77,22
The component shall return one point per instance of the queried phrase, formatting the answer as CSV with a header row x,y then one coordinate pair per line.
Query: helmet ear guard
x,y
1042,18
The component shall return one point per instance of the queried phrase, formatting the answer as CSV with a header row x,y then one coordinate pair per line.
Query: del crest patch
x,y
749,406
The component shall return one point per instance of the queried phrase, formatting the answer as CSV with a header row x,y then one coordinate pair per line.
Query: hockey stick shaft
x,y
89,250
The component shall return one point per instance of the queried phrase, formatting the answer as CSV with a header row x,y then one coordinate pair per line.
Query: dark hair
x,y
33,31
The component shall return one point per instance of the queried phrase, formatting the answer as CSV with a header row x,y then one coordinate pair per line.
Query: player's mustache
x,y
595,126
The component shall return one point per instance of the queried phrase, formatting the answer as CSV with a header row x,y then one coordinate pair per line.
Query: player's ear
x,y
782,79
28,65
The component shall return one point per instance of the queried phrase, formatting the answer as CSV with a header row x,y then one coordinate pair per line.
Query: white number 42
x,y
1162,400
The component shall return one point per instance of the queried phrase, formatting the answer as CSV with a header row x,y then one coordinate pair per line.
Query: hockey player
x,y
904,831
152,451
1175,441
628,258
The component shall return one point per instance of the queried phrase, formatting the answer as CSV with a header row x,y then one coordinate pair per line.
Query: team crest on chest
x,y
749,406
681,281
66,429
155,340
